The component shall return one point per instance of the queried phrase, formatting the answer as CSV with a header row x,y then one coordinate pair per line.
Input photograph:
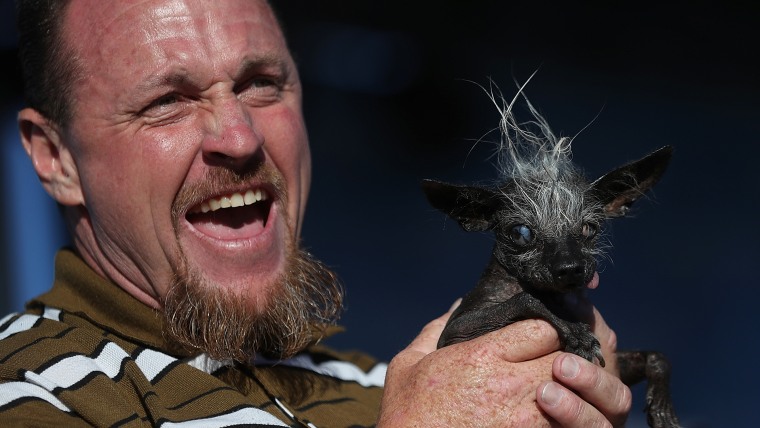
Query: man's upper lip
x,y
232,198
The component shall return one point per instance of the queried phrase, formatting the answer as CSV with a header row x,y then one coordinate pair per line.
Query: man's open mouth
x,y
238,215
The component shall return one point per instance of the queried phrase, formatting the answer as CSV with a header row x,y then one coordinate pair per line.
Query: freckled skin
x,y
483,383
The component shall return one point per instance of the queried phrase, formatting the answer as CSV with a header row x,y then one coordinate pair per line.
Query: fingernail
x,y
455,305
551,394
569,367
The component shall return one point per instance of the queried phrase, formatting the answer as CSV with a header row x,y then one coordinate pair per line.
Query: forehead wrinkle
x,y
177,77
259,55
234,29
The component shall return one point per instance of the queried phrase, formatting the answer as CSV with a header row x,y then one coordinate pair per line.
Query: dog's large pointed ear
x,y
620,188
473,207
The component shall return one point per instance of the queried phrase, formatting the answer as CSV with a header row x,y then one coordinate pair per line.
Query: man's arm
x,y
503,378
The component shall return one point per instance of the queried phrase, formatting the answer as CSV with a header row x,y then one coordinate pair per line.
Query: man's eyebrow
x,y
181,77
250,65
175,78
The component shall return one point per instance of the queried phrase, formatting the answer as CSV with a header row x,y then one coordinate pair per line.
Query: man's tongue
x,y
231,223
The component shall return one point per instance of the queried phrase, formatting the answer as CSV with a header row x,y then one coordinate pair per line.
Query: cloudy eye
x,y
521,235
589,230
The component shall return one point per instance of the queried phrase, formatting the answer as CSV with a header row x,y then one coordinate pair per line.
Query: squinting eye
x,y
521,235
166,100
589,230
263,82
260,91
166,106
263,87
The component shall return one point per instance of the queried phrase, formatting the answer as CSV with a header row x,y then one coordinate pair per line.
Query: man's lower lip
x,y
246,262
235,240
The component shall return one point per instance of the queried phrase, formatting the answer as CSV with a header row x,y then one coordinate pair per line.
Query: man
x,y
171,134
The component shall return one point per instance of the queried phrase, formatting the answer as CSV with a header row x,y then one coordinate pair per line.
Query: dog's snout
x,y
568,273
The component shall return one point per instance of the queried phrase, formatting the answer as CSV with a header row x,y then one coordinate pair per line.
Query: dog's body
x,y
546,217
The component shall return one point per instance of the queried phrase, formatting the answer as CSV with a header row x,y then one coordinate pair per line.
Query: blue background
x,y
387,105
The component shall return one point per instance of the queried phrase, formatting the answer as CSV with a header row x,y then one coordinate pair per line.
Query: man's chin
x,y
236,320
252,292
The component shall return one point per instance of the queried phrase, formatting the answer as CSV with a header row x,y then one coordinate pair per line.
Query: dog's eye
x,y
589,230
521,235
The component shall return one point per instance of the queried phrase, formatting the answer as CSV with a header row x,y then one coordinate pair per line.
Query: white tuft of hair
x,y
548,189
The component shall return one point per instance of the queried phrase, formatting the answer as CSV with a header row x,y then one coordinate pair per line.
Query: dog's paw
x,y
659,410
582,342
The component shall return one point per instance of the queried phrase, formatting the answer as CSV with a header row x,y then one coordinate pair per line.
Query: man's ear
x,y
473,207
51,159
620,188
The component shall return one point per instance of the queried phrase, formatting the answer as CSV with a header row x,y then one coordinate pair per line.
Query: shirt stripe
x,y
334,368
23,323
13,391
246,416
72,370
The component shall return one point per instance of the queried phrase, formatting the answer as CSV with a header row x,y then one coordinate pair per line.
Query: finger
x,y
523,340
567,409
584,310
599,388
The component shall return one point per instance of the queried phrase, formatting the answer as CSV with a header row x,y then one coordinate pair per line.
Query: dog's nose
x,y
568,273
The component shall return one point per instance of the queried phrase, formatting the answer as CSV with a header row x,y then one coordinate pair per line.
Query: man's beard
x,y
292,313
299,306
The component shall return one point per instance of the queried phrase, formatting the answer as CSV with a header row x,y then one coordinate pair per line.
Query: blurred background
x,y
389,101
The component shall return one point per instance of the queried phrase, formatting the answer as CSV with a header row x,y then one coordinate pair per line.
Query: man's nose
x,y
231,138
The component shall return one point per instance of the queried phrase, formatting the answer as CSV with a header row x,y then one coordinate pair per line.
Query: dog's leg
x,y
636,366
575,337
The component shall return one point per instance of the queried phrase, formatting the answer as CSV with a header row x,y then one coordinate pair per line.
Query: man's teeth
x,y
231,201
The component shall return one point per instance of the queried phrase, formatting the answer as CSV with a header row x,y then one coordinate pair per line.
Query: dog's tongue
x,y
231,223
594,281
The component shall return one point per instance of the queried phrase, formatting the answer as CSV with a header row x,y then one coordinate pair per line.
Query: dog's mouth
x,y
232,216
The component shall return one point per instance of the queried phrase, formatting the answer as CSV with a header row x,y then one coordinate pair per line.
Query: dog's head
x,y
547,220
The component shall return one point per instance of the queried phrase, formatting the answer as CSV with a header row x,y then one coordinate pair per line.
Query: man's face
x,y
185,106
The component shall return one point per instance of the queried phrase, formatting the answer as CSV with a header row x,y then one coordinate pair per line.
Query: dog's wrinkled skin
x,y
546,217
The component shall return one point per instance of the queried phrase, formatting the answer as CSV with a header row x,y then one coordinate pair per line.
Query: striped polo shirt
x,y
88,354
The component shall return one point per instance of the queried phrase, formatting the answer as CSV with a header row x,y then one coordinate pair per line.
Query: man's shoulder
x,y
56,365
26,334
35,367
29,340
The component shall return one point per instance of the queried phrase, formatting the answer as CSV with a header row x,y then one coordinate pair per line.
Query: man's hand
x,y
502,379
584,394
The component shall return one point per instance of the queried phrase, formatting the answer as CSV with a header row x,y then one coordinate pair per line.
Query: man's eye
x,y
166,100
161,103
260,90
165,109
261,83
